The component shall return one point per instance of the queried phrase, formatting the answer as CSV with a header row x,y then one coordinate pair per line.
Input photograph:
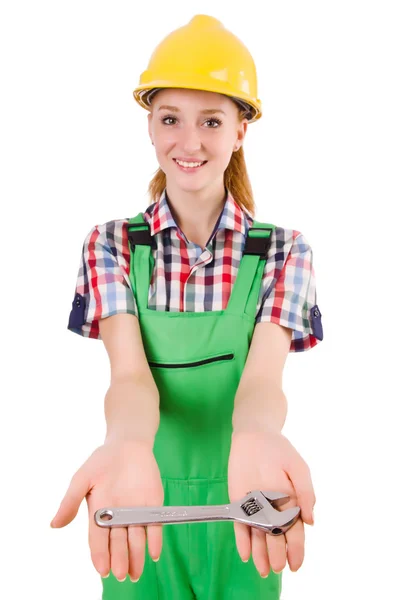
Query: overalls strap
x,y
244,296
139,234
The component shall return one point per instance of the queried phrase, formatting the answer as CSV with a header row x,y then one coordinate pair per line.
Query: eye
x,y
218,121
167,119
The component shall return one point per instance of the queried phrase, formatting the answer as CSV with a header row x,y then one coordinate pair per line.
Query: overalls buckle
x,y
139,233
258,244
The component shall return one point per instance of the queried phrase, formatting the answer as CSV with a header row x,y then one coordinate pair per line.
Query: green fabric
x,y
198,560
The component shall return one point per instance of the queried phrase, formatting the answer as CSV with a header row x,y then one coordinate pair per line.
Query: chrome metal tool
x,y
257,509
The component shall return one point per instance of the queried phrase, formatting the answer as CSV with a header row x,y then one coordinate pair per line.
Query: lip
x,y
189,159
189,170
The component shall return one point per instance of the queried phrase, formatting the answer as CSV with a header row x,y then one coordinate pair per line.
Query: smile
x,y
189,169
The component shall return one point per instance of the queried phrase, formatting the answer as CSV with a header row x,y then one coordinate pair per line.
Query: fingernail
x,y
245,560
134,580
105,576
156,559
264,576
121,580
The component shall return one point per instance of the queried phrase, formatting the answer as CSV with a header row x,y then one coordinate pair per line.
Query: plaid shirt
x,y
187,278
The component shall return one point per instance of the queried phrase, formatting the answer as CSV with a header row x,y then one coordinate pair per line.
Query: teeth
x,y
187,164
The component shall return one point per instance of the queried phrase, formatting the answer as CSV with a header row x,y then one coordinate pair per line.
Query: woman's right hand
x,y
118,473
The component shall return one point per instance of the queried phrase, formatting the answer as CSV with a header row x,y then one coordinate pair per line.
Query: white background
x,y
75,152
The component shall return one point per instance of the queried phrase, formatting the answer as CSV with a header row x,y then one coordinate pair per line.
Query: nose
x,y
190,140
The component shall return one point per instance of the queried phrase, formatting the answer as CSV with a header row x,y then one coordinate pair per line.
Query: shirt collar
x,y
159,216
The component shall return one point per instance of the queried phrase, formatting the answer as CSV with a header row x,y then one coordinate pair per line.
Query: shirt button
x,y
316,313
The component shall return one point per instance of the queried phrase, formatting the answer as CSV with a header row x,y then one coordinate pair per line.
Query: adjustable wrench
x,y
257,509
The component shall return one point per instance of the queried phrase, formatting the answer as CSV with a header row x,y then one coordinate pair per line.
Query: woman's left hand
x,y
268,461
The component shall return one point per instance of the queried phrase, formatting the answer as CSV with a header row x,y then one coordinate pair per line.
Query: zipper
x,y
192,364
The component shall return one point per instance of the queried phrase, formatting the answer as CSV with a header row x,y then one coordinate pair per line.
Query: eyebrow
x,y
206,111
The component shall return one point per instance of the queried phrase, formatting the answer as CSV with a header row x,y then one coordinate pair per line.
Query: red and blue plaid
x,y
187,278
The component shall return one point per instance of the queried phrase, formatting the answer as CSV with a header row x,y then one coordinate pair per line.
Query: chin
x,y
191,185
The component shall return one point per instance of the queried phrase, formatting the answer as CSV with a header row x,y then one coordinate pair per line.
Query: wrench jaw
x,y
257,509
276,500
278,526
275,529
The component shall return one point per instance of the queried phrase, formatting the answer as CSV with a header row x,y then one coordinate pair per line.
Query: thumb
x,y
78,489
299,474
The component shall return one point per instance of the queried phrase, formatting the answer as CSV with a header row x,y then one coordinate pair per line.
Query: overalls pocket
x,y
197,363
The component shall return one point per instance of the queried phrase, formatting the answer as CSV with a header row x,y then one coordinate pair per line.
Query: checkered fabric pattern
x,y
189,278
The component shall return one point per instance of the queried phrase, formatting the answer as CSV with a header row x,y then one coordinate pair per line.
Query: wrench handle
x,y
155,515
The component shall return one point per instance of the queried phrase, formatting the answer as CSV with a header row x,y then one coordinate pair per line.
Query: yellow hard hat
x,y
202,55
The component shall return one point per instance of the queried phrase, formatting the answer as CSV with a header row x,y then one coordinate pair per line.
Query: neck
x,y
196,213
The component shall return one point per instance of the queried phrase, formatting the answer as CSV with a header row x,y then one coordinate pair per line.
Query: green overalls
x,y
197,359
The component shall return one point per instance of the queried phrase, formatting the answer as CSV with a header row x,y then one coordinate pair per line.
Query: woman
x,y
195,407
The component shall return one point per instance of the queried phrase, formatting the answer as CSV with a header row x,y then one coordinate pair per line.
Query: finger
x,y
77,490
296,545
259,551
299,474
136,548
155,540
98,539
243,540
119,560
276,547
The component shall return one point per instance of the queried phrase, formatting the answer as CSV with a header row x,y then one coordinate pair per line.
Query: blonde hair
x,y
235,179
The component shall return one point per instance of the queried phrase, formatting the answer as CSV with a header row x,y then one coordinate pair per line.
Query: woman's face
x,y
185,131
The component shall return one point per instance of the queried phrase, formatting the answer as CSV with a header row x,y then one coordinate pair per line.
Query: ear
x,y
149,122
242,130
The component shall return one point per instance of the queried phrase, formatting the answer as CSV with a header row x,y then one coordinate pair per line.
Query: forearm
x,y
132,409
259,407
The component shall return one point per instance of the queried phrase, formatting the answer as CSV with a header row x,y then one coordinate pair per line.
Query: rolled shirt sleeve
x,y
103,287
290,295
